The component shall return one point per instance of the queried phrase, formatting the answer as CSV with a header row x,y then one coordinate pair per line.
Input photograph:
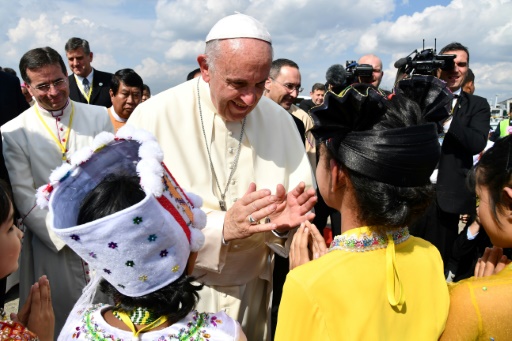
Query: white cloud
x,y
501,35
182,49
41,28
150,68
161,76
161,39
368,42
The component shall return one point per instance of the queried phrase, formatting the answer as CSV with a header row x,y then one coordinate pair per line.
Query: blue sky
x,y
409,7
161,39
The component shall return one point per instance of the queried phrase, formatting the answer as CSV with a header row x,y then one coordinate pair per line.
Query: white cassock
x,y
237,276
31,154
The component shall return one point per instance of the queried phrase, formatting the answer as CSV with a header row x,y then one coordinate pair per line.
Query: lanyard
x,y
126,319
81,87
61,146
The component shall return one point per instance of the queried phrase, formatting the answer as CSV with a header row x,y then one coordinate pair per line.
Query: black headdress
x,y
404,156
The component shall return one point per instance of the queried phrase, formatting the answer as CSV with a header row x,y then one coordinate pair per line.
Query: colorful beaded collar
x,y
363,239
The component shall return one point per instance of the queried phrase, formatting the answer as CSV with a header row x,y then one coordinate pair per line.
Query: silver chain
x,y
222,202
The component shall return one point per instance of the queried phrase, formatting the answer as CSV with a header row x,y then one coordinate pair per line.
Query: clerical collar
x,y
89,77
116,116
55,113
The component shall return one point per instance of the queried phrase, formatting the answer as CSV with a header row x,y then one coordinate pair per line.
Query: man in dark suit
x,y
462,135
86,84
12,103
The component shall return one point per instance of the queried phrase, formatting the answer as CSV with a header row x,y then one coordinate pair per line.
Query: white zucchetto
x,y
238,26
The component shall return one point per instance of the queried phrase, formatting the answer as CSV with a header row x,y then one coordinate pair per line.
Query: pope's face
x,y
455,77
238,77
49,86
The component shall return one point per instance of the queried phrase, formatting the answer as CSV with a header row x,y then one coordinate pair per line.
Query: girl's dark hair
x,y
379,203
175,300
5,201
113,194
494,171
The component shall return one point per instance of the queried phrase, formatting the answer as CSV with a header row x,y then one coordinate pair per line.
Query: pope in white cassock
x,y
240,152
35,143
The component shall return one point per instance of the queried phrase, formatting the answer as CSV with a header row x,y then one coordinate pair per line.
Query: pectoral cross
x,y
222,205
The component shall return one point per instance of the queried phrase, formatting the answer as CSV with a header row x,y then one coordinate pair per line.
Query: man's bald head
x,y
376,63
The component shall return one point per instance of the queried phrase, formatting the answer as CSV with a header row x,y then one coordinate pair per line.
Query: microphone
x,y
336,76
401,62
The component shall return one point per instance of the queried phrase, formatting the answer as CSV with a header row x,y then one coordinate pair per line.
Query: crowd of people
x,y
199,213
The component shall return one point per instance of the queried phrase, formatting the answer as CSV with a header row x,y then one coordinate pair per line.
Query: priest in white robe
x,y
35,143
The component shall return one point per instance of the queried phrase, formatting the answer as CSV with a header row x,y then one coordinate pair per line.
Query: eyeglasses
x,y
58,84
290,87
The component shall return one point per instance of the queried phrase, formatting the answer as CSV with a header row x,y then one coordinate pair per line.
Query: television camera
x,y
424,62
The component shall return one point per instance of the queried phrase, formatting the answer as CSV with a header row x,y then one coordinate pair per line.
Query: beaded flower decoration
x,y
363,240
143,247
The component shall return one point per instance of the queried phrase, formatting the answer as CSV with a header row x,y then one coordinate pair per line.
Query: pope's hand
x,y
293,208
242,219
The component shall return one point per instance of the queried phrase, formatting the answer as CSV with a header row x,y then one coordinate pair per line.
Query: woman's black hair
x,y
5,201
113,194
494,172
381,204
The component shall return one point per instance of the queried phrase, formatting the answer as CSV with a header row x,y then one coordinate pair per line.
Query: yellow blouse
x,y
344,294
481,308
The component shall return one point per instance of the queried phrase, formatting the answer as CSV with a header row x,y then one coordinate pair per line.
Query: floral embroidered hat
x,y
139,249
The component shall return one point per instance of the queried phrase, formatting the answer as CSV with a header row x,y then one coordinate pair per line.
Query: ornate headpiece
x,y
143,247
399,156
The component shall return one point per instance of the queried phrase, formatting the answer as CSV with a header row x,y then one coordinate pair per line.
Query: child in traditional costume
x,y
35,320
117,206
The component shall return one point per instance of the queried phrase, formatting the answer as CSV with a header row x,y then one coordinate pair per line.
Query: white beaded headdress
x,y
143,247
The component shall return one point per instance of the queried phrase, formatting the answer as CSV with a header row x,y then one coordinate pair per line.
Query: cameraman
x,y
465,134
377,74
